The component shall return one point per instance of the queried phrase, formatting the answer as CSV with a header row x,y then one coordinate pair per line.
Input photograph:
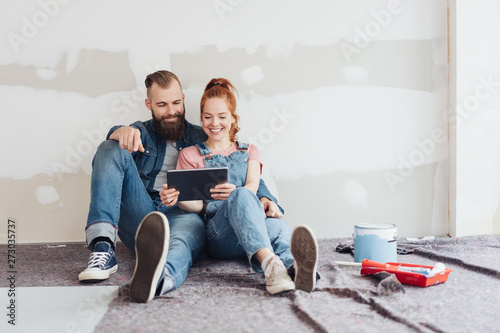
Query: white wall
x,y
347,101
475,118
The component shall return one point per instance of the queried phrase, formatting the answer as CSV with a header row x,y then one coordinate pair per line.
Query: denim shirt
x,y
149,162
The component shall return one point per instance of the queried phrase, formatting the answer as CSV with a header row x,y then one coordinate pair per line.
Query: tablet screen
x,y
195,184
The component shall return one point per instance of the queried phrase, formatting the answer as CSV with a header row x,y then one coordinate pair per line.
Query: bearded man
x,y
128,172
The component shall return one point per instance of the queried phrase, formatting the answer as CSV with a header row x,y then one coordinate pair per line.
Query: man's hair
x,y
162,79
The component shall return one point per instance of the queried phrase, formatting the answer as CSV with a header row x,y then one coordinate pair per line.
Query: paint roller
x,y
438,267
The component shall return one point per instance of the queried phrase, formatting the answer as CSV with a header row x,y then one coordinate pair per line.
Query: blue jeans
x,y
119,202
238,228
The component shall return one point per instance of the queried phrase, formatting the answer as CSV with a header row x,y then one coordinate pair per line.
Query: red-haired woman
x,y
236,223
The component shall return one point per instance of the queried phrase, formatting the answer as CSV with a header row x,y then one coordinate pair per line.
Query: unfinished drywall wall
x,y
346,100
475,118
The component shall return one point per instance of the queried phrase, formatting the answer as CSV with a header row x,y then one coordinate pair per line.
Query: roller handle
x,y
375,264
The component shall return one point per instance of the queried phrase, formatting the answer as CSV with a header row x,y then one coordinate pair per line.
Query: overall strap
x,y
203,148
242,145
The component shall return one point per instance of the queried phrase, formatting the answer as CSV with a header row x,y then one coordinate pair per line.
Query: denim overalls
x,y
238,227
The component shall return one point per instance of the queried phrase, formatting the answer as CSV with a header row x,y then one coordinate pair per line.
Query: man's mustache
x,y
177,115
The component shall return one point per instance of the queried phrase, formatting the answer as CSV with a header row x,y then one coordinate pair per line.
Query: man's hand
x,y
222,191
271,208
169,196
129,138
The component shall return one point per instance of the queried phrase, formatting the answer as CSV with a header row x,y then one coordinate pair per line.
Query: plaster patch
x,y
89,72
406,64
355,74
252,75
46,195
355,194
46,220
46,74
410,207
359,134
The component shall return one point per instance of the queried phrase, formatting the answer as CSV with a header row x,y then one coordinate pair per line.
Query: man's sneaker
x,y
277,278
102,263
305,253
151,247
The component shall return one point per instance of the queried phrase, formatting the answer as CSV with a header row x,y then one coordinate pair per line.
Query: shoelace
x,y
98,259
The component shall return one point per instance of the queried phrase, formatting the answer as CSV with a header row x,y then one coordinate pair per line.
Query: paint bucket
x,y
375,241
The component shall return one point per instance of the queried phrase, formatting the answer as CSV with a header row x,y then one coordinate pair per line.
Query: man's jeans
x,y
119,202
238,228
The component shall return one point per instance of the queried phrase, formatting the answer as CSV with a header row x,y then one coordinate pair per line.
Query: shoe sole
x,y
305,253
151,247
97,275
278,288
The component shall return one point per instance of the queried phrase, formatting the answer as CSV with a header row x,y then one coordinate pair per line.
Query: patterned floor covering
x,y
226,296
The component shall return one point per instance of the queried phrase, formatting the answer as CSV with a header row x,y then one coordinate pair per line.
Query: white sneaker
x,y
277,278
151,247
305,253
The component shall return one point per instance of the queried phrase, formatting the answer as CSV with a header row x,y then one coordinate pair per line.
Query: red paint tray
x,y
417,275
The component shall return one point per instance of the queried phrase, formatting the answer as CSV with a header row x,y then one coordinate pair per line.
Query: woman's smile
x,y
217,121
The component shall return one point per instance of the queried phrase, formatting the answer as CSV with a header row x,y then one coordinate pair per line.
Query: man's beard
x,y
168,130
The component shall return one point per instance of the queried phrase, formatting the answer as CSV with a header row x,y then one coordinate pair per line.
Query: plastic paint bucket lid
x,y
383,230
375,225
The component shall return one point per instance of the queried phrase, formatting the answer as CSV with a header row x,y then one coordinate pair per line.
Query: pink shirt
x,y
190,157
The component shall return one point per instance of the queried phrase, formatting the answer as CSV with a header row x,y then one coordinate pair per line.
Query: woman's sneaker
x,y
151,247
102,263
277,278
305,253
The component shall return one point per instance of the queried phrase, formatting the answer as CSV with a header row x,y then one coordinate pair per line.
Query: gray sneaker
x,y
151,247
305,253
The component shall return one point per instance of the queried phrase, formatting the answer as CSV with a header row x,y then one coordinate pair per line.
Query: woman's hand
x,y
169,196
222,191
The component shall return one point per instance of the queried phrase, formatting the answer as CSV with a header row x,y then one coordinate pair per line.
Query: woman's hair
x,y
223,88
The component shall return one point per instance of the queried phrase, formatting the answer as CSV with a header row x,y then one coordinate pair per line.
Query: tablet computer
x,y
195,184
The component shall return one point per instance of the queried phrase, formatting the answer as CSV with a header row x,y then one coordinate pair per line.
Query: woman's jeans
x,y
239,229
119,202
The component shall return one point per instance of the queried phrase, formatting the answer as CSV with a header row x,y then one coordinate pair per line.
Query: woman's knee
x,y
243,194
278,228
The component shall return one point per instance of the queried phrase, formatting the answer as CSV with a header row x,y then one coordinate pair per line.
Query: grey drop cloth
x,y
226,296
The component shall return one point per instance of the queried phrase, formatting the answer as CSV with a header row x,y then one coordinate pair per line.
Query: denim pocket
x,y
146,161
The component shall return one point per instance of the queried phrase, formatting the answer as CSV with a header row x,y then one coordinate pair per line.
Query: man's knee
x,y
110,150
109,147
